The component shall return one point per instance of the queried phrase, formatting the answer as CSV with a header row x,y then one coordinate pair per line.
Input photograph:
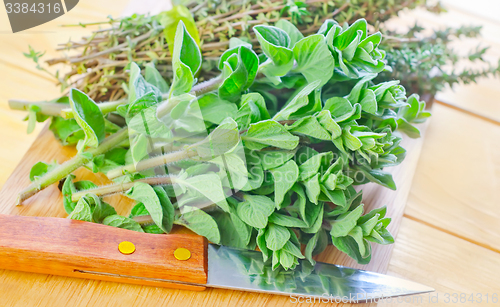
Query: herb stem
x,y
122,187
46,108
207,86
152,162
71,165
105,107
61,109
165,159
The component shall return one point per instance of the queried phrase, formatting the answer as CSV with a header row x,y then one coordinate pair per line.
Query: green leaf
x,y
314,217
234,166
153,77
338,107
67,190
40,169
82,211
327,26
316,245
144,193
116,155
167,208
408,128
292,31
239,71
368,101
170,19
200,222
141,94
350,141
101,209
209,185
186,61
32,116
285,177
156,202
293,250
244,231
378,176
336,196
67,131
122,222
252,110
215,109
300,100
326,121
275,44
346,37
314,59
349,246
272,159
379,211
312,166
355,94
311,127
346,222
223,139
261,243
313,188
363,246
233,231
287,220
269,133
367,227
276,237
255,210
89,117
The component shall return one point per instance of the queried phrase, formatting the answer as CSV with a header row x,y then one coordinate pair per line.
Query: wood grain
x,y
75,248
457,187
447,263
20,78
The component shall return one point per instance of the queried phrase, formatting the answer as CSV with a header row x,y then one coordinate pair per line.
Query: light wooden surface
x,y
447,240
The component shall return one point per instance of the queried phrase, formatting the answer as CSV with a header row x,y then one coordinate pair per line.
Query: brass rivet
x,y
126,247
182,254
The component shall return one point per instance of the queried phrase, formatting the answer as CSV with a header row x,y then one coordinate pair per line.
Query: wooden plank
x,y
445,262
456,187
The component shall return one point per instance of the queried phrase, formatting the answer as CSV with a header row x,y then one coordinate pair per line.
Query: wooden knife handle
x,y
72,248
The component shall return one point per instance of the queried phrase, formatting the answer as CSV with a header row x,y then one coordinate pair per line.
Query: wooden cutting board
x,y
49,203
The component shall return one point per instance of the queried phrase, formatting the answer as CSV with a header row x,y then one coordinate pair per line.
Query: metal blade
x,y
237,269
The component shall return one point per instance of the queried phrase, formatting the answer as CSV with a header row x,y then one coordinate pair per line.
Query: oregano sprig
x,y
265,155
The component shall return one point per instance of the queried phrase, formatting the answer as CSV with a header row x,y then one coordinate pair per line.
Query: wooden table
x,y
450,234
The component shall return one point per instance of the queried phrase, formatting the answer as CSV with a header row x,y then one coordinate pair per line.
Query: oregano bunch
x,y
265,155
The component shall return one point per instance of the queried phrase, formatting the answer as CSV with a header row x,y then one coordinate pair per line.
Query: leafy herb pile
x,y
97,64
264,155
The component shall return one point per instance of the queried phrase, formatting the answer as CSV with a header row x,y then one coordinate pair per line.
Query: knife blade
x,y
65,247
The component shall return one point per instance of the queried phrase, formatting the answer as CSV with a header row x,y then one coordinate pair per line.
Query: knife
x,y
65,247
